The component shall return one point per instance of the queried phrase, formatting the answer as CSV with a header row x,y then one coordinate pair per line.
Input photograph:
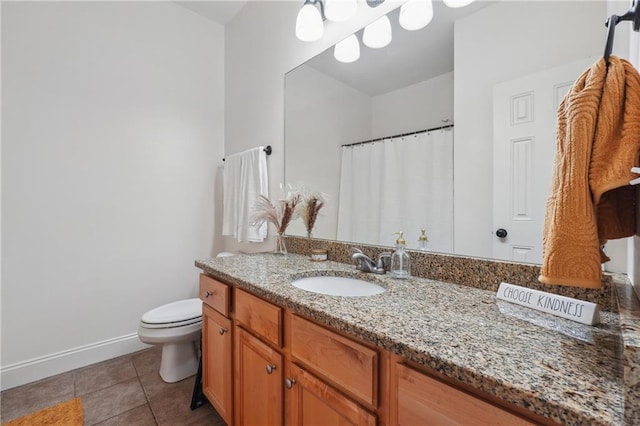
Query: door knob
x,y
501,233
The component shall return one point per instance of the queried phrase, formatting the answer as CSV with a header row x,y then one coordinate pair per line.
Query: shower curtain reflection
x,y
398,184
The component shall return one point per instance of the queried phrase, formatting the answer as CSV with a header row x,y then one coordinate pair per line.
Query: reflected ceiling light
x,y
309,26
348,50
416,14
457,3
340,10
378,33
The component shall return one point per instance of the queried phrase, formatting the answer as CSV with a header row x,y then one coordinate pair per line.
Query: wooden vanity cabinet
x,y
259,371
345,363
217,347
290,370
419,398
217,344
259,363
309,401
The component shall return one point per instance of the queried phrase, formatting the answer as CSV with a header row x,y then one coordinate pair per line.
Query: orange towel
x,y
591,201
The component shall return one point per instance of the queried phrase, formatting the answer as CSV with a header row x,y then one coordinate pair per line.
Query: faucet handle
x,y
381,258
355,250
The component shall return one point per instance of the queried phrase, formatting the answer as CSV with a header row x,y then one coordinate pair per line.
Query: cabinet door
x,y
351,367
258,382
309,401
417,398
217,363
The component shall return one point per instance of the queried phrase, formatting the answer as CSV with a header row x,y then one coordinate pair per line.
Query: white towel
x,y
244,178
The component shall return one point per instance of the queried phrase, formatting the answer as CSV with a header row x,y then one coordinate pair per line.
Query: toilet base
x,y
179,361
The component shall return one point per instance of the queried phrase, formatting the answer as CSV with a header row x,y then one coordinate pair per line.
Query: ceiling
x,y
220,11
411,57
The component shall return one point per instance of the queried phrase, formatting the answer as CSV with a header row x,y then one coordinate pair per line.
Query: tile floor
x,y
123,391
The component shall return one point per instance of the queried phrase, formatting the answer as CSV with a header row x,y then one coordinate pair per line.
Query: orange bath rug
x,y
67,413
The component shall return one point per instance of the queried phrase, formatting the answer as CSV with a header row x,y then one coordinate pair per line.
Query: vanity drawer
x,y
350,365
259,316
215,294
420,399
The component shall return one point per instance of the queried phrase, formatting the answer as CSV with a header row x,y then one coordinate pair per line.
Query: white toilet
x,y
176,326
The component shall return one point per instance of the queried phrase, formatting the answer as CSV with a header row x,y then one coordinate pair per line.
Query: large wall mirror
x,y
496,71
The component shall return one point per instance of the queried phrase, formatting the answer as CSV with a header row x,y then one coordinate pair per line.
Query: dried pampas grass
x,y
280,214
310,208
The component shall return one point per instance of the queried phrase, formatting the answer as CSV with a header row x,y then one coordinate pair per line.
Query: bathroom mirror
x,y
396,90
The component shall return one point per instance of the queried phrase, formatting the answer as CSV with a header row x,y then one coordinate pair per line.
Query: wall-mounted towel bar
x,y
267,150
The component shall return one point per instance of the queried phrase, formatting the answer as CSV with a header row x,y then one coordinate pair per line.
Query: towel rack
x,y
267,149
632,15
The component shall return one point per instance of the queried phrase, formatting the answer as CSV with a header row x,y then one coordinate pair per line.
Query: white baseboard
x,y
34,369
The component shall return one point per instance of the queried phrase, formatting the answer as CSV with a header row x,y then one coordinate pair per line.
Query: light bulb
x,y
340,10
378,33
416,14
457,3
309,26
348,50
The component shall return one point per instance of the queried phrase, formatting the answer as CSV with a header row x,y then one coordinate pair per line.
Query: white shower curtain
x,y
401,184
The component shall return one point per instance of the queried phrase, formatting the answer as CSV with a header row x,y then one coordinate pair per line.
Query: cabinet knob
x,y
223,330
289,383
208,293
270,368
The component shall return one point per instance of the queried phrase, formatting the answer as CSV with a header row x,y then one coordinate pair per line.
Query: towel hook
x,y
633,15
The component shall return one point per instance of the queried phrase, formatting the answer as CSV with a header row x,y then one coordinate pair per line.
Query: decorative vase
x,y
280,246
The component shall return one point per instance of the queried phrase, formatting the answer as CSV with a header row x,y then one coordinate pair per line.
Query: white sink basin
x,y
338,286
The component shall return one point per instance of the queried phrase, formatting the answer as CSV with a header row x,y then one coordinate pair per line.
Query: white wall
x,y
260,47
423,106
482,59
113,120
324,113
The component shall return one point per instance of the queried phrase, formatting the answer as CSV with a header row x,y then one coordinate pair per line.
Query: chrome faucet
x,y
365,264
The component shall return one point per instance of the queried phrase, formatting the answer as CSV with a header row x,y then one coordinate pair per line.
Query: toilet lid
x,y
182,310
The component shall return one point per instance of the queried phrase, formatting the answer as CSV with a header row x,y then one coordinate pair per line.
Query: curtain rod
x,y
447,126
266,149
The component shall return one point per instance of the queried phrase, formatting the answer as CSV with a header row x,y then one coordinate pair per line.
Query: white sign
x,y
565,307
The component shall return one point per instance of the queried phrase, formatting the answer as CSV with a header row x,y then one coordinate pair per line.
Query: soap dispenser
x,y
422,241
400,260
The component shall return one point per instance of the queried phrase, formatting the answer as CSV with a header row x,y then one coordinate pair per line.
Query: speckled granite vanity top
x,y
569,372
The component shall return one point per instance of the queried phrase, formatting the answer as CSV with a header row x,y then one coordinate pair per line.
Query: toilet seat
x,y
172,315
171,324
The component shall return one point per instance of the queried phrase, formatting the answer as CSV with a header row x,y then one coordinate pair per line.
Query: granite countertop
x,y
569,372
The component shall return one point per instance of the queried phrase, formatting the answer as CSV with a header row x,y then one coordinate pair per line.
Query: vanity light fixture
x,y
416,14
378,33
348,50
309,26
457,3
340,10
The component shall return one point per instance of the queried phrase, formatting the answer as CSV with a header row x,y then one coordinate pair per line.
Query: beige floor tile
x,y
112,401
211,418
140,416
104,375
147,361
171,405
153,384
26,399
